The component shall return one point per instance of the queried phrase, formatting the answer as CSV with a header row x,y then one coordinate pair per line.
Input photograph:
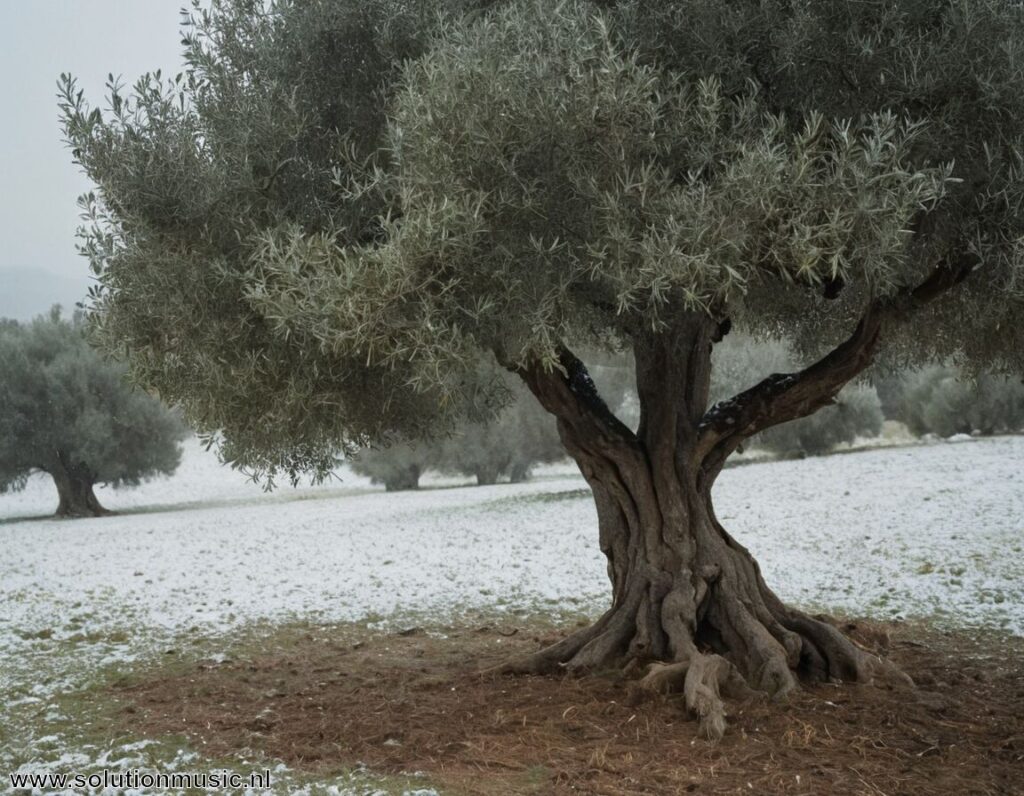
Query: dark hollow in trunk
x,y
688,601
75,489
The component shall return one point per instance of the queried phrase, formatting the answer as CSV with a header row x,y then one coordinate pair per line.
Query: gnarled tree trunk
x,y
686,597
75,489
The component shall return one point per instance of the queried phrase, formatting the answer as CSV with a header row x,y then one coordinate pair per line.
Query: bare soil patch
x,y
415,702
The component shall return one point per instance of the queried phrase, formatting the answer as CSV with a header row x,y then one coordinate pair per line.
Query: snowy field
x,y
926,531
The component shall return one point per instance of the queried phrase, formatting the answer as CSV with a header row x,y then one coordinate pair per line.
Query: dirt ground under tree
x,y
415,701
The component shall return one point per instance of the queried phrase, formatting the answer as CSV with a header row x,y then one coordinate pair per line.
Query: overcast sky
x,y
39,39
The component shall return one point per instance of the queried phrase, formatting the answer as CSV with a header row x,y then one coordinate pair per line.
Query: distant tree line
x,y
942,400
67,412
507,448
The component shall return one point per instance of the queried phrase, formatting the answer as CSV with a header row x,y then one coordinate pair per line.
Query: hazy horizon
x,y
38,212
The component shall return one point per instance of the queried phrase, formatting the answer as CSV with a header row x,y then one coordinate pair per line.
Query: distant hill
x,y
28,292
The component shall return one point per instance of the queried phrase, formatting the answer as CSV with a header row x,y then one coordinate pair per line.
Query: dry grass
x,y
416,702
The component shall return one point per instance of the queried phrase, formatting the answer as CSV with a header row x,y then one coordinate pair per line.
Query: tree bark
x,y
75,490
687,599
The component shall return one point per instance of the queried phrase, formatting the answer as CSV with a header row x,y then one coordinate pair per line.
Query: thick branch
x,y
783,397
786,396
569,393
941,280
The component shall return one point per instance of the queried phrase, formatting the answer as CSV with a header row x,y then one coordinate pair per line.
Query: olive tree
x,y
310,238
521,436
67,412
507,445
398,465
938,399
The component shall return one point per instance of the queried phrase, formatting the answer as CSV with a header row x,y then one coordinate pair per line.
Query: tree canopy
x,y
309,237
67,412
323,230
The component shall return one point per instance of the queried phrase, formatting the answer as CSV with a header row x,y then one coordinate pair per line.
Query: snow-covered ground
x,y
932,530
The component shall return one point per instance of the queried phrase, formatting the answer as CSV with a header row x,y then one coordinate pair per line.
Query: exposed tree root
x,y
830,655
550,659
703,680
732,653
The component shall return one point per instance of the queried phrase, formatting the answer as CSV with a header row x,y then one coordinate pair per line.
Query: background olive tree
x,y
398,465
67,412
521,436
315,235
504,446
943,400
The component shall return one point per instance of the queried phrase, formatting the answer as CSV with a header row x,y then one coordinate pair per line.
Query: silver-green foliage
x,y
311,236
62,406
261,135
